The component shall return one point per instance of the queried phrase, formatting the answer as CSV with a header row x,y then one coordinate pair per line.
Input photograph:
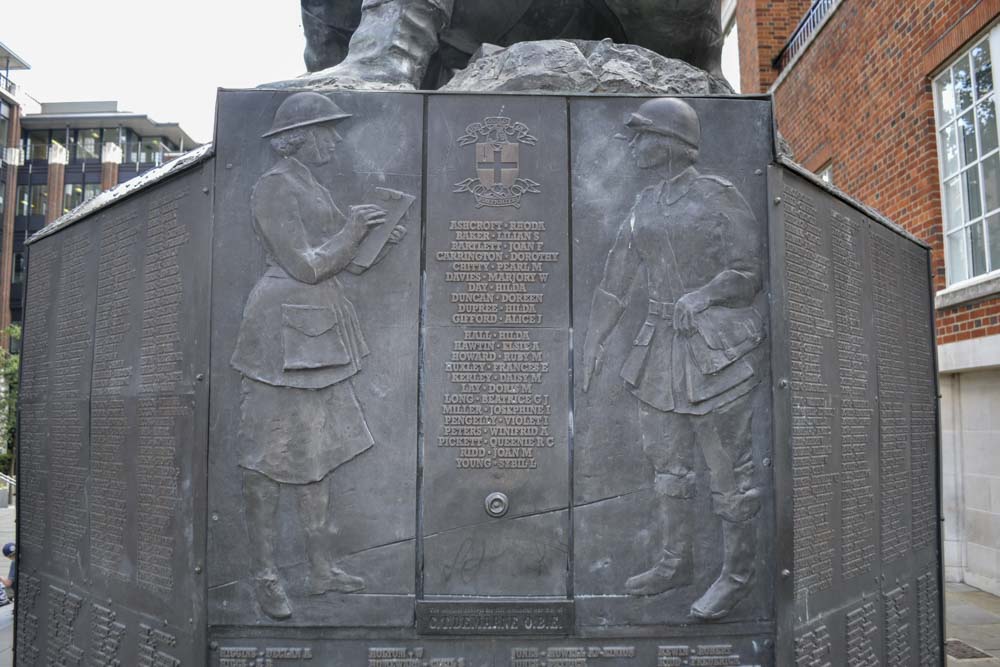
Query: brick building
x,y
10,138
895,104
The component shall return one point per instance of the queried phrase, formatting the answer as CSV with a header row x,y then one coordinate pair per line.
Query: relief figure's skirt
x,y
299,436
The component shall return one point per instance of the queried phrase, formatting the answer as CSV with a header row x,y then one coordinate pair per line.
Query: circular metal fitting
x,y
497,504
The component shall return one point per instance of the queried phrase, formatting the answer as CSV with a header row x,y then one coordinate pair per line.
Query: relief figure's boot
x,y
324,576
390,49
674,568
271,596
339,581
738,573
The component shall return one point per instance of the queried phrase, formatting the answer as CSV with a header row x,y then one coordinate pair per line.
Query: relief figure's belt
x,y
662,309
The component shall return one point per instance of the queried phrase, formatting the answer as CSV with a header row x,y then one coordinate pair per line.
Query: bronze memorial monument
x,y
579,371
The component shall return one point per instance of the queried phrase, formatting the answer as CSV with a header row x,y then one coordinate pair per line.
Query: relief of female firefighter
x,y
300,344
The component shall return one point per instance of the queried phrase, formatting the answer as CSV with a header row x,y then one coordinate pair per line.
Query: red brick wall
x,y
764,27
969,321
860,98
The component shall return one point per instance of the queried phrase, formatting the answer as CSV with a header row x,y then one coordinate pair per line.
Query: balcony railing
x,y
803,33
8,85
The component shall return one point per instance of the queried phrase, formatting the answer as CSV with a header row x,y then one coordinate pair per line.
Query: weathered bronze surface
x,y
442,379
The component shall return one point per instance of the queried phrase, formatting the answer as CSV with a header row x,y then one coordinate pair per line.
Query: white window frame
x,y
959,233
730,31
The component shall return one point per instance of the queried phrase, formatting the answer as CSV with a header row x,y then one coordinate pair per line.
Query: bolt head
x,y
497,504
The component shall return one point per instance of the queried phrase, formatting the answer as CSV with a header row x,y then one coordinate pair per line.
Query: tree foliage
x,y
10,366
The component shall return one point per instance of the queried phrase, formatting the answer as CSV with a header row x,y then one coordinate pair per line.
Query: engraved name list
x,y
495,411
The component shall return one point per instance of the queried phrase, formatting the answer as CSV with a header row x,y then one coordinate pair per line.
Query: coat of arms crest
x,y
498,150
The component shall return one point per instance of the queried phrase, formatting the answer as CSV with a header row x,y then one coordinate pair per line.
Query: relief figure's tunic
x,y
668,230
300,341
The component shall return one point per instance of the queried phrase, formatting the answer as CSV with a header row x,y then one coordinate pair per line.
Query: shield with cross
x,y
497,163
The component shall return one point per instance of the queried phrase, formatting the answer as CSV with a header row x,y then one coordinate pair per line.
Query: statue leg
x,y
689,30
668,441
391,47
314,505
725,440
260,501
328,25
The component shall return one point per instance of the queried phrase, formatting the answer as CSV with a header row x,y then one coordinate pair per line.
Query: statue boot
x,y
675,566
271,596
390,49
738,572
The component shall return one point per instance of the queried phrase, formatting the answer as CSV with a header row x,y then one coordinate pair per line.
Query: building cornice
x,y
142,124
967,291
10,60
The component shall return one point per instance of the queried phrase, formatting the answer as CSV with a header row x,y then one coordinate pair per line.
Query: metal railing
x,y
8,85
804,31
10,481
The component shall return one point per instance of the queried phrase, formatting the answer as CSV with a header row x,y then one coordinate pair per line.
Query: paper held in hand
x,y
396,204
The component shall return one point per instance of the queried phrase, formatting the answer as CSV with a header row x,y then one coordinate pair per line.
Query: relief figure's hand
x,y
397,234
686,308
364,217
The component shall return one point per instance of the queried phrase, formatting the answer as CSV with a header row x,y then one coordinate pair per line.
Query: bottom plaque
x,y
492,617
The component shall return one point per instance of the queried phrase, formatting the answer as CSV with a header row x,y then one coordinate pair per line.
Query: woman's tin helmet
x,y
302,109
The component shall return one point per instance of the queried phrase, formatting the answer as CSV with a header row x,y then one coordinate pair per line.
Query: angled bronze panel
x,y
124,448
863,433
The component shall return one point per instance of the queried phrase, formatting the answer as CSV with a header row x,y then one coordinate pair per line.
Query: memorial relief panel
x,y
672,444
313,454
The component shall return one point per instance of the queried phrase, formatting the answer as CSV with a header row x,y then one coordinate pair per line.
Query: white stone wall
x,y
951,474
970,462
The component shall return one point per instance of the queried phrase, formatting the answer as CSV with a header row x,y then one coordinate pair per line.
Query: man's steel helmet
x,y
670,117
302,109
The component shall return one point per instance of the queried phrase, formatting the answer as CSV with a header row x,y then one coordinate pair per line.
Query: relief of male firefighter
x,y
697,357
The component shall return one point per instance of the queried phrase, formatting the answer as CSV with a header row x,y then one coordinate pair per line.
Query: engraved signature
x,y
469,559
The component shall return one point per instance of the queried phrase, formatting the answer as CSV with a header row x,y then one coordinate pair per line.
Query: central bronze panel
x,y
496,455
